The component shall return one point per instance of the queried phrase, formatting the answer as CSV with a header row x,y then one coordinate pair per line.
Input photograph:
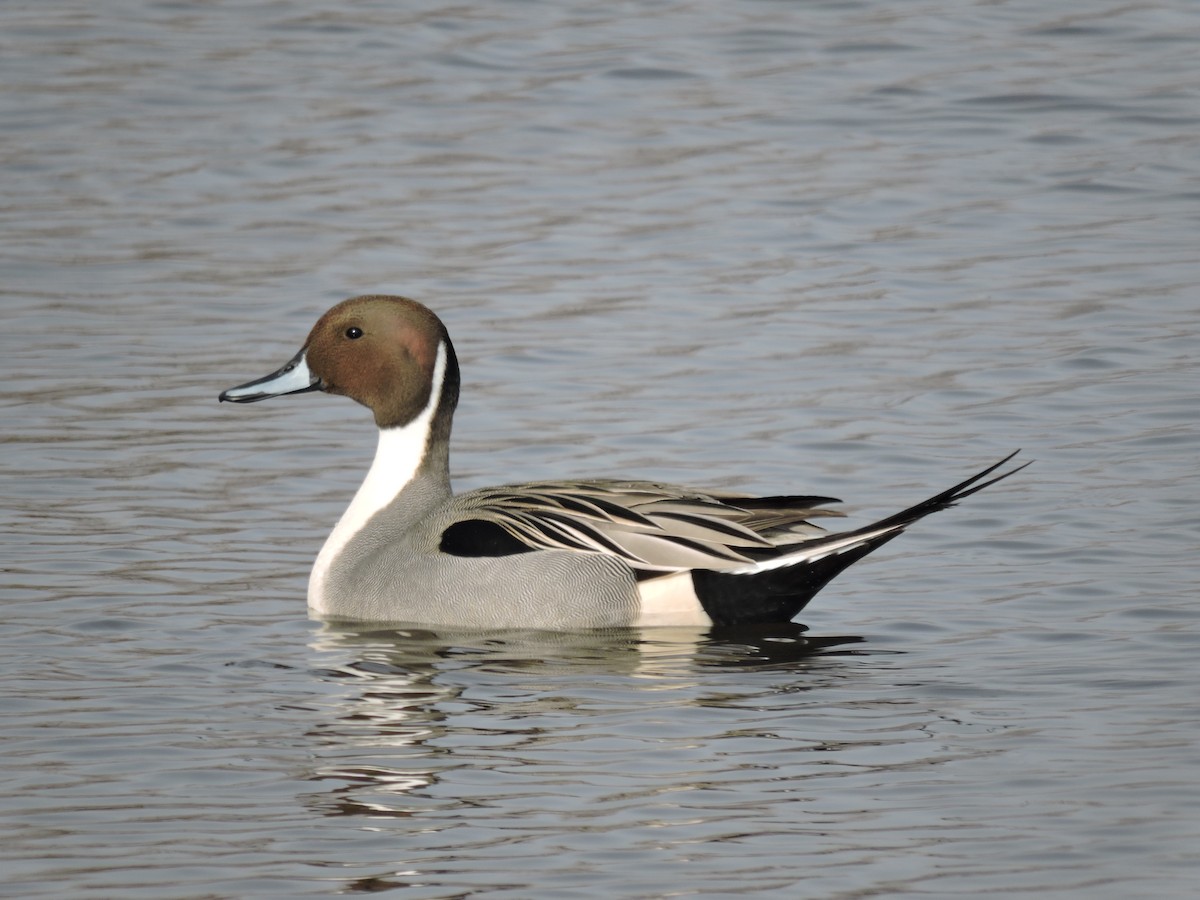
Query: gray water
x,y
850,248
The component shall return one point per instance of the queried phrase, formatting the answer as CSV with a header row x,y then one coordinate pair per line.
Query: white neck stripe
x,y
397,458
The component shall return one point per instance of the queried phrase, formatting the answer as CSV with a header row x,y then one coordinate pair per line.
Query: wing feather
x,y
653,527
658,528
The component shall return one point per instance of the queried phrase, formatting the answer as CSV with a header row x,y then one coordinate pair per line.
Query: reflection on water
x,y
442,725
419,649
472,745
396,702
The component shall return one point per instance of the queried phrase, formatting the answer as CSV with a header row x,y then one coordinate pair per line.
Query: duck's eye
x,y
354,332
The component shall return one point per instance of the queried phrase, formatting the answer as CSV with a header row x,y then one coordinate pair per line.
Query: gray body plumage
x,y
393,570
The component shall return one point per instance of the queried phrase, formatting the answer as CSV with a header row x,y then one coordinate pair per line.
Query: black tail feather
x,y
775,595
897,522
778,594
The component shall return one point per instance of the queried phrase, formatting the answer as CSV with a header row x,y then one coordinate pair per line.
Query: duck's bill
x,y
293,378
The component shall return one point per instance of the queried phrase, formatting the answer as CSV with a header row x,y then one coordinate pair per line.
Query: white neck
x,y
397,458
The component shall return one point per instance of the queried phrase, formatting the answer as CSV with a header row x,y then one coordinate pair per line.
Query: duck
x,y
546,555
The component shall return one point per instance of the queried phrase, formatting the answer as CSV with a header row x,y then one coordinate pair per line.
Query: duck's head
x,y
389,353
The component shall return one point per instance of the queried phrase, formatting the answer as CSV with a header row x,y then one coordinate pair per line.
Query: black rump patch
x,y
775,595
475,537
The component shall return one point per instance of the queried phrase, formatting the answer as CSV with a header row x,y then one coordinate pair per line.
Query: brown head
x,y
381,351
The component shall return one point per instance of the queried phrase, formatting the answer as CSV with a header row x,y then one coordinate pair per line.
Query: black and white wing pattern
x,y
654,527
659,528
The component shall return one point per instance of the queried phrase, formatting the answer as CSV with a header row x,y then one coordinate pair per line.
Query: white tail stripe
x,y
827,548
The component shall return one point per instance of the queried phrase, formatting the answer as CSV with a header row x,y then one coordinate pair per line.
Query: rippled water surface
x,y
851,248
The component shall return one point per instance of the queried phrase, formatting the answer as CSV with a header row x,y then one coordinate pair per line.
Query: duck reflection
x,y
405,697
416,654
414,718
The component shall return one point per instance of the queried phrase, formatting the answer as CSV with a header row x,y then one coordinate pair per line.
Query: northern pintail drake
x,y
544,555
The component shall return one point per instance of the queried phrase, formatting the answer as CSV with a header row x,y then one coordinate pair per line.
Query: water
x,y
850,248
